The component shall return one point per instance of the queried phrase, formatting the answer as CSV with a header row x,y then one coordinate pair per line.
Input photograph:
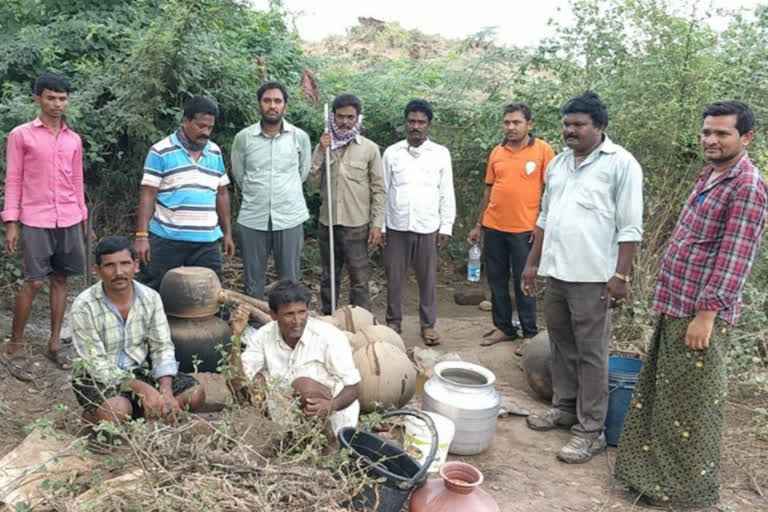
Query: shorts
x,y
91,394
52,251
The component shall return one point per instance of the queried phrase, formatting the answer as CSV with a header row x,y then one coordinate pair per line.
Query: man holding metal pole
x,y
353,199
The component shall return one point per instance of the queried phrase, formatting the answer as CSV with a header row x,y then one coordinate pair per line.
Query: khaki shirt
x,y
357,184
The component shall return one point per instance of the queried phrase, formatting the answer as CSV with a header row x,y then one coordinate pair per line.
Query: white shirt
x,y
586,211
419,185
323,354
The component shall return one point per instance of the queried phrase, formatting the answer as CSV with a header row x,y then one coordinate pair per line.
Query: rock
x,y
469,297
217,395
485,305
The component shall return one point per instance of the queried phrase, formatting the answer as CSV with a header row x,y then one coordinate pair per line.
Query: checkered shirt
x,y
714,244
110,347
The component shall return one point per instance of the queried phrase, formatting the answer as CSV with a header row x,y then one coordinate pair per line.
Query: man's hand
x,y
228,246
152,402
239,319
171,408
615,292
532,238
529,280
383,242
318,407
375,238
442,240
699,330
474,234
11,237
325,141
141,246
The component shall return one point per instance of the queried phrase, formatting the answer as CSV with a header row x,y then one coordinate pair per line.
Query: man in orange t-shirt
x,y
514,183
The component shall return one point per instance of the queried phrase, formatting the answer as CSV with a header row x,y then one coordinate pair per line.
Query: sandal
x,y
430,337
495,336
18,366
60,357
521,346
394,327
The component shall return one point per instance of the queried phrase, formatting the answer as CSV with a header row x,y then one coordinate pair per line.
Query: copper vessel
x,y
458,490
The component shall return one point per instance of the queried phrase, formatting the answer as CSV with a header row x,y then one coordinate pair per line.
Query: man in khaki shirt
x,y
358,194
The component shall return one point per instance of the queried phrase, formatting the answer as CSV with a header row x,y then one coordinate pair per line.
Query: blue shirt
x,y
185,208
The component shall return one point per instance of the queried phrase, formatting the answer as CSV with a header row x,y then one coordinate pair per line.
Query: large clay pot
x,y
353,318
388,378
196,339
458,490
195,292
537,365
373,333
464,393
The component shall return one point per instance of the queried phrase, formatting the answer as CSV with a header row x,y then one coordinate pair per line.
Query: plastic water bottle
x,y
473,267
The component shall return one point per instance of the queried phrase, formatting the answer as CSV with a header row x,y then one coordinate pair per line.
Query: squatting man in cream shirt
x,y
294,350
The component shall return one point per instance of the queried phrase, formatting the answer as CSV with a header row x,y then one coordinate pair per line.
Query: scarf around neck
x,y
339,138
188,144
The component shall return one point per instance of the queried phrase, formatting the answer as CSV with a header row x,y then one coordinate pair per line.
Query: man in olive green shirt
x,y
358,194
270,160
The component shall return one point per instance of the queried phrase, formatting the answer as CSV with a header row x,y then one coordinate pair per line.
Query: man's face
x,y
417,126
117,270
516,126
53,104
346,117
720,139
272,106
291,320
198,129
579,132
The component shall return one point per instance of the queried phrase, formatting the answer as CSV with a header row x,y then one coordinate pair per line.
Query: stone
x,y
485,305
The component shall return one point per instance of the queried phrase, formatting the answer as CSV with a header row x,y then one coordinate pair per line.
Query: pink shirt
x,y
44,178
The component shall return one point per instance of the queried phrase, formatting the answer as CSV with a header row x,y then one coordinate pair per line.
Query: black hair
x,y
419,105
288,291
347,100
518,107
112,244
52,82
588,103
272,85
199,105
745,118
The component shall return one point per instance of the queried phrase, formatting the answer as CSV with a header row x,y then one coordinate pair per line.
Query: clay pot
x,y
353,318
458,490
373,333
388,378
195,339
195,292
536,364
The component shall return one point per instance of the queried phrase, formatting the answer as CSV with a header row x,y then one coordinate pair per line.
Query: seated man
x,y
310,355
120,332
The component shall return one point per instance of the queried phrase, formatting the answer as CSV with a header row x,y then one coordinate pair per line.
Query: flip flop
x,y
490,339
18,366
430,337
60,357
521,346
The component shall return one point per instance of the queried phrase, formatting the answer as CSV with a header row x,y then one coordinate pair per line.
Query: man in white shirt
x,y
419,216
296,351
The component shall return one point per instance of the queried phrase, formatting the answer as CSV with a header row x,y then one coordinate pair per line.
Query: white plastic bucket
x,y
418,439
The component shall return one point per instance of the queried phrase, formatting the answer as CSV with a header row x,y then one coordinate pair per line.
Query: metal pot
x,y
195,292
536,364
464,393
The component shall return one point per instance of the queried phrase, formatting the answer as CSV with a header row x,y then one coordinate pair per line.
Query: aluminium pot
x,y
464,393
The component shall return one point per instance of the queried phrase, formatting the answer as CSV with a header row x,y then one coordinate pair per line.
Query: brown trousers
x,y
579,325
404,248
350,246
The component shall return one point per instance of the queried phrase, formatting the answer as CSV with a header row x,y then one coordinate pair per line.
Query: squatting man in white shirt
x,y
311,356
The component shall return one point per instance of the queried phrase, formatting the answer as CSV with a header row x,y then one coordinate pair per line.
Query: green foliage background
x,y
133,63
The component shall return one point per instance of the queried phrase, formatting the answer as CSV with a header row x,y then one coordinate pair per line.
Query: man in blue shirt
x,y
184,192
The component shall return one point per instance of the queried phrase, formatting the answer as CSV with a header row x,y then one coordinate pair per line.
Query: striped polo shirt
x,y
185,208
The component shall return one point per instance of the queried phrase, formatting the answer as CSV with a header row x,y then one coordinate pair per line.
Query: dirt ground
x,y
520,468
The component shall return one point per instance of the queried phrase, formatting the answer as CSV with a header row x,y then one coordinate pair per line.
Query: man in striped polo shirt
x,y
185,185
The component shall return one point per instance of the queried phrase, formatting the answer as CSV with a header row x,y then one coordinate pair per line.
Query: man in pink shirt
x,y
44,207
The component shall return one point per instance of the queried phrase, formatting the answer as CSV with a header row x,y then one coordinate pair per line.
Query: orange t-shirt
x,y
517,180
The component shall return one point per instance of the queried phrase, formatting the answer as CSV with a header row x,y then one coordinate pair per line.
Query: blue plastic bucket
x,y
622,377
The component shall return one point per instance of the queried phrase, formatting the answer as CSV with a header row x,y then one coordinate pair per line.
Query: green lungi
x,y
669,450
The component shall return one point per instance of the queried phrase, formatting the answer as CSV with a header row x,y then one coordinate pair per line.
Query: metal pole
x,y
330,216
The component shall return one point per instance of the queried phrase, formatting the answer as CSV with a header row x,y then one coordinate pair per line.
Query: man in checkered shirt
x,y
669,451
